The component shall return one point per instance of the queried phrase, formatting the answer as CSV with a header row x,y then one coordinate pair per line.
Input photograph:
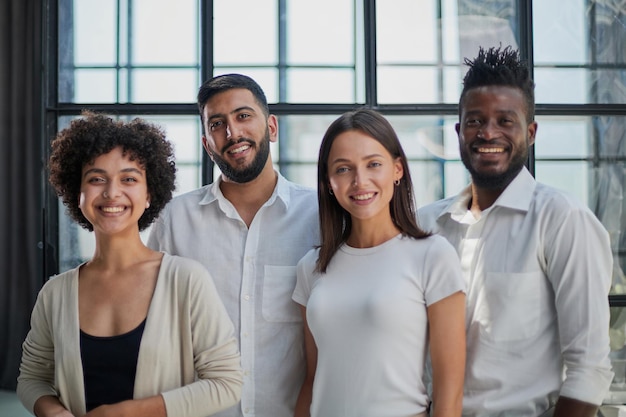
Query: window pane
x,y
406,32
267,78
164,85
579,57
402,85
95,86
245,32
617,331
95,32
320,86
317,37
421,45
165,32
561,85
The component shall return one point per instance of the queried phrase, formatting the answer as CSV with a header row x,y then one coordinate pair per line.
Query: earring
x,y
330,191
397,182
147,204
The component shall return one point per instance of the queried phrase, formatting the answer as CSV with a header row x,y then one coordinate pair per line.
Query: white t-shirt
x,y
368,317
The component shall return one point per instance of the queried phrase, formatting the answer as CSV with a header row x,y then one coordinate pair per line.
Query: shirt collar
x,y
517,195
281,192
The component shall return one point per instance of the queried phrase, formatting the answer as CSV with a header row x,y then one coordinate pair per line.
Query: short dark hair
x,y
92,135
227,82
335,221
498,66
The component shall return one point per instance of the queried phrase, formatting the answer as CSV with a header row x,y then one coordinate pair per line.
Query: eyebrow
x,y
237,110
366,157
102,171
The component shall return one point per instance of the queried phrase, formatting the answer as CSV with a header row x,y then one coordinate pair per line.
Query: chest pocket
x,y
510,308
278,285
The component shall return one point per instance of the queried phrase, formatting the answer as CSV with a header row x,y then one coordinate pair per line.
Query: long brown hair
x,y
335,221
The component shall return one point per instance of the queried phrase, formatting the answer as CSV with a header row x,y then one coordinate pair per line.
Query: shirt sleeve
x,y
158,238
36,377
304,277
579,265
215,354
442,271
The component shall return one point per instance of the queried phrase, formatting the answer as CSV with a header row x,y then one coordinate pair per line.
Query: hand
x,y
49,406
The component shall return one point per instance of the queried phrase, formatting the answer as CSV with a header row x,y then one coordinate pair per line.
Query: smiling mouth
x,y
237,149
490,150
113,209
363,197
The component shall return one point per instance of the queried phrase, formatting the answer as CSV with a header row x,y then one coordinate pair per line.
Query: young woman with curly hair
x,y
132,331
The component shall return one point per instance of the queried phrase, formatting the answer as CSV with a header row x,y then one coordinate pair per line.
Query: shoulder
x,y
61,282
428,214
557,204
299,192
182,264
190,197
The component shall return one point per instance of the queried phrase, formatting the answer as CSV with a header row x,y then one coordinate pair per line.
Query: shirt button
x,y
246,297
246,410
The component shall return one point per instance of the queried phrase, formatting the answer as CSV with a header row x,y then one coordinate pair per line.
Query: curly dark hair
x,y
497,66
95,134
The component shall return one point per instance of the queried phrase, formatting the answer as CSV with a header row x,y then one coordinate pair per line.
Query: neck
x,y
370,233
482,198
247,198
118,252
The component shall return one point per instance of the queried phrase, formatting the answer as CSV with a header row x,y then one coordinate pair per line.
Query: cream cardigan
x,y
188,351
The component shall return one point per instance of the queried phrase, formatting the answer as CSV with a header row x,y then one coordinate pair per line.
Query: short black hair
x,y
92,135
227,82
500,66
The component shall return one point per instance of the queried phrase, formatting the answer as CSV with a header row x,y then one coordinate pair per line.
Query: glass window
x,y
131,57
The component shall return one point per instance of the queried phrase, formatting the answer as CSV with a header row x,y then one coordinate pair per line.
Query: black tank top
x,y
109,366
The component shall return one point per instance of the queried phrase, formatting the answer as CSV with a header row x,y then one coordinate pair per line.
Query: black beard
x,y
496,181
253,170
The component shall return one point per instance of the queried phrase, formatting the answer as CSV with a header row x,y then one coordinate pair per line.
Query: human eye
x,y
129,180
472,122
244,115
215,124
375,164
95,180
341,170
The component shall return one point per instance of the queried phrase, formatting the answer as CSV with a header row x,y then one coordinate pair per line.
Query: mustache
x,y
482,142
231,144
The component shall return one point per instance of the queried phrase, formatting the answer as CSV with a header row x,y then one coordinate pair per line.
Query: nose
x,y
232,131
110,191
488,131
358,178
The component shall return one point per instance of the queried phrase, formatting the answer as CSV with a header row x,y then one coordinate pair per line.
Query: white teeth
x,y
239,149
363,196
490,150
112,209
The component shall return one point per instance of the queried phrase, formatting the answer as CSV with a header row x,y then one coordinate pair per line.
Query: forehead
x,y
355,144
229,101
494,98
113,160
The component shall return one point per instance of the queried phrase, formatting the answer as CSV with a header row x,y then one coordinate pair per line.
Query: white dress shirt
x,y
254,270
538,265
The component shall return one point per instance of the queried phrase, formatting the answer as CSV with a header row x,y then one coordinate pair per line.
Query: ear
x,y
207,148
457,127
398,168
532,132
272,127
